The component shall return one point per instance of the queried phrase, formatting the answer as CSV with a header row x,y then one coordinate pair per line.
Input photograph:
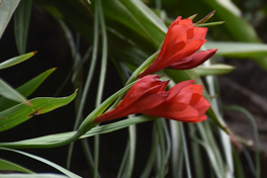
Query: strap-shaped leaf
x,y
21,24
15,60
26,89
8,92
7,165
20,113
216,69
45,161
7,8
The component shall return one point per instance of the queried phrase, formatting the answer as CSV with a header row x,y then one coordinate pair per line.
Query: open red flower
x,y
179,48
184,102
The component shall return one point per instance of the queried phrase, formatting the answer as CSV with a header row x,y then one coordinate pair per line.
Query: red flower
x,y
184,102
178,50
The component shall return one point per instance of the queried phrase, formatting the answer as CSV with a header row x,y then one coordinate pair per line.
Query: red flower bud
x,y
184,102
182,41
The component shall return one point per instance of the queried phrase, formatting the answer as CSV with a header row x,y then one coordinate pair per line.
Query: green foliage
x,y
131,33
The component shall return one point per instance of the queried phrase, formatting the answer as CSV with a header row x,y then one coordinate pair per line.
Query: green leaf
x,y
7,8
8,92
6,165
44,141
43,175
237,26
215,69
238,50
21,24
15,115
61,169
26,89
16,60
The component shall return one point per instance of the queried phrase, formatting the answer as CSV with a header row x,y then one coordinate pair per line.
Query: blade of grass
x,y
45,161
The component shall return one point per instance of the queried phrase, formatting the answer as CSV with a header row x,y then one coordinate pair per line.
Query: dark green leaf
x,y
15,115
21,24
6,165
26,89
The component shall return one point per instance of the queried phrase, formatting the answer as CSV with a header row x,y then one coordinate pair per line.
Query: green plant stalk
x,y
196,154
124,161
162,147
225,139
101,78
187,162
176,147
152,155
87,84
132,140
255,132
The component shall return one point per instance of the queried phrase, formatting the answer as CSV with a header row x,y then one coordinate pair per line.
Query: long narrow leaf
x,y
45,141
26,89
8,92
15,115
45,161
7,165
15,60
21,24
7,8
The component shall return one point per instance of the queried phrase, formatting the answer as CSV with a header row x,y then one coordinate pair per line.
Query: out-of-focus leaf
x,y
235,24
138,17
216,69
238,50
209,24
8,92
44,175
45,161
7,8
16,60
6,165
15,115
21,24
26,89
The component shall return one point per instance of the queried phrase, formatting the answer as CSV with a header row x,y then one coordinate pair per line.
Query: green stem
x,y
101,79
87,84
185,151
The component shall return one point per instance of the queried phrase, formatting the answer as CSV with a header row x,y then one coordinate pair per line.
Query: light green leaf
x,y
238,50
6,165
44,175
45,141
21,24
216,69
15,115
45,161
26,89
8,92
7,8
16,60
237,26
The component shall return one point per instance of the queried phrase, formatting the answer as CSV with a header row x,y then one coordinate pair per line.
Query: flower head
x,y
184,102
179,47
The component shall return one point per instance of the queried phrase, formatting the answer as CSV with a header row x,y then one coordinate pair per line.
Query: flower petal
x,y
193,60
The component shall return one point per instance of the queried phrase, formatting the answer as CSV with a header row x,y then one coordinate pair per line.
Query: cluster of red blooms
x,y
184,102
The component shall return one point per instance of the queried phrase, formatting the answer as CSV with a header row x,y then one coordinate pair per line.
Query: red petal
x,y
200,32
178,87
194,60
